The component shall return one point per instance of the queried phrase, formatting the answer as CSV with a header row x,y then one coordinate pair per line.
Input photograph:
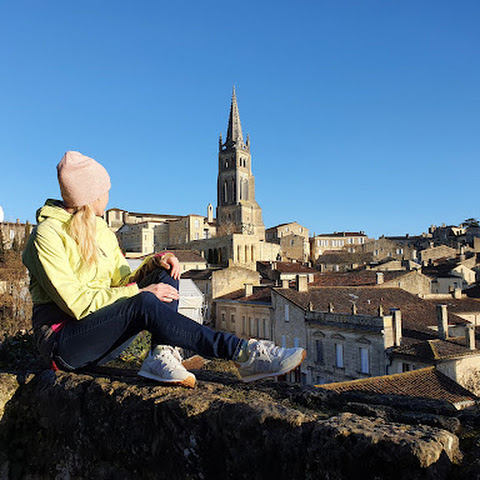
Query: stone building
x,y
143,237
14,232
386,249
275,234
245,312
278,272
432,254
191,227
359,332
337,241
116,218
214,283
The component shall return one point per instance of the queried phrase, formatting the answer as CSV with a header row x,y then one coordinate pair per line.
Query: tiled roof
x,y
281,225
355,278
432,350
422,383
417,314
203,274
260,295
290,267
188,256
337,257
341,234
460,305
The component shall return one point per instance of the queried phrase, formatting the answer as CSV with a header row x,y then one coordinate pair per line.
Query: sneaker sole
x,y
188,382
259,376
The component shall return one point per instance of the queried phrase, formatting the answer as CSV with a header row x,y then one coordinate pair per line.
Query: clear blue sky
x,y
362,114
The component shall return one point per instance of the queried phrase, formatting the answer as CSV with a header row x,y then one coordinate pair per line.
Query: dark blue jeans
x,y
104,334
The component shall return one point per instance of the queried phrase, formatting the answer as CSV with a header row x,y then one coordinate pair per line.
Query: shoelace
x,y
169,355
267,348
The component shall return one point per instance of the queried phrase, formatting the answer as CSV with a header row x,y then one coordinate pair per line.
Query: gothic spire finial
x,y
234,131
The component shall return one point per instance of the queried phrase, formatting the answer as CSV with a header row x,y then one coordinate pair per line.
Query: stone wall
x,y
62,426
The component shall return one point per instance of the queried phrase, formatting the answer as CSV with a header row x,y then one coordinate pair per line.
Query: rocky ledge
x,y
112,424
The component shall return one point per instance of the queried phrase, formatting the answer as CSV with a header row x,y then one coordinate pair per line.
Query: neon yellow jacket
x,y
56,273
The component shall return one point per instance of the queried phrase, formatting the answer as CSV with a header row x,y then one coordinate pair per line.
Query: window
x,y
407,367
196,236
319,351
196,223
223,318
364,360
339,355
284,342
292,242
265,329
287,312
258,328
244,325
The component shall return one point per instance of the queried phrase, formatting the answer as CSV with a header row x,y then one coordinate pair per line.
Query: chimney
x,y
330,308
285,283
457,293
248,289
442,322
379,278
302,283
470,337
397,326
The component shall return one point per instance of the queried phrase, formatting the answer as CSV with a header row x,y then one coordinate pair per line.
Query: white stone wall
x,y
352,334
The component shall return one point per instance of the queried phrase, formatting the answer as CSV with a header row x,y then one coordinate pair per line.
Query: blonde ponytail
x,y
83,229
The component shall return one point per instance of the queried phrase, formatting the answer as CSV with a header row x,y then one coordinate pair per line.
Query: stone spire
x,y
234,131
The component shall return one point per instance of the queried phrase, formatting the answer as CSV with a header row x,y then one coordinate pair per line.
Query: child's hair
x,y
82,228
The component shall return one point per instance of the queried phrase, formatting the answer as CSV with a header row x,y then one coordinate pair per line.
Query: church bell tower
x,y
237,210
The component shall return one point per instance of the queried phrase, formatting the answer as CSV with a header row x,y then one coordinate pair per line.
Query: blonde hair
x,y
83,229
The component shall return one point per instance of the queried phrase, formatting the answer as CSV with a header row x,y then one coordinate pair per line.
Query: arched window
x,y
225,191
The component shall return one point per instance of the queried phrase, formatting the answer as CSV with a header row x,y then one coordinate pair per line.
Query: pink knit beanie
x,y
82,180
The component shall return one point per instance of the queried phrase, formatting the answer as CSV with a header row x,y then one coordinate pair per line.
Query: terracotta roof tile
x,y
290,267
188,256
352,279
422,383
417,314
203,274
260,295
435,349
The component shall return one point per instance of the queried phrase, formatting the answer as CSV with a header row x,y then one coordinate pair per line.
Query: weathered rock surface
x,y
63,426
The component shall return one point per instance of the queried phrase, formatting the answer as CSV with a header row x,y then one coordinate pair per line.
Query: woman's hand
x,y
170,262
163,291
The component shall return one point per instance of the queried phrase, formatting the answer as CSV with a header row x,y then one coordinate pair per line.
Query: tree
x,y
471,223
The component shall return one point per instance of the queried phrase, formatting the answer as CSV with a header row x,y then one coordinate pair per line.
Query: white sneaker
x,y
268,360
164,364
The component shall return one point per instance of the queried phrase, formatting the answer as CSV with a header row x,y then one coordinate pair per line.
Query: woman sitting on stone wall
x,y
88,305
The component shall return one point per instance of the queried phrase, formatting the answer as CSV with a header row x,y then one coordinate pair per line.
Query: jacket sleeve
x,y
51,267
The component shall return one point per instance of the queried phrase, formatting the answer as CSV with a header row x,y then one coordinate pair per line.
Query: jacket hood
x,y
53,209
